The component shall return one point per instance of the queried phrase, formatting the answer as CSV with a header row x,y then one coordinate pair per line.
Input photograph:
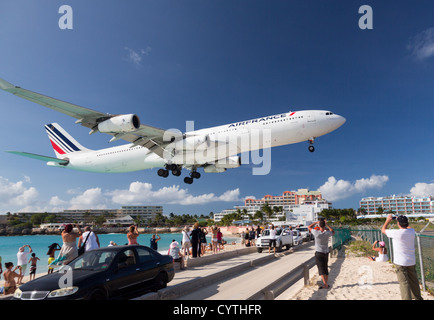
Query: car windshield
x,y
93,260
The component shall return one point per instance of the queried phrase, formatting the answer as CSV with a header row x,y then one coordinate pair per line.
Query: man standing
x,y
322,236
404,257
89,239
22,261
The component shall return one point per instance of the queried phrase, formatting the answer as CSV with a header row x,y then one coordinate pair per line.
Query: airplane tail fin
x,y
62,142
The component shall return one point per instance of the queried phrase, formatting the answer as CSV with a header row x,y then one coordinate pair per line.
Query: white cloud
x,y
141,193
422,189
136,56
90,199
17,194
422,45
333,189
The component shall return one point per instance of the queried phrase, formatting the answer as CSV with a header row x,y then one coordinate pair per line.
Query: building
x,y
298,206
405,205
142,213
287,198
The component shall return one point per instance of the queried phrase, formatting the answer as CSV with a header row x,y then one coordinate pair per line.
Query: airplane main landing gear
x,y
176,170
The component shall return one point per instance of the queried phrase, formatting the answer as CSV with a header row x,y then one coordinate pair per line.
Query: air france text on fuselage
x,y
275,117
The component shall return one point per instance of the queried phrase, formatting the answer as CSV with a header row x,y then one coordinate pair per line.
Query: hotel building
x,y
298,206
405,205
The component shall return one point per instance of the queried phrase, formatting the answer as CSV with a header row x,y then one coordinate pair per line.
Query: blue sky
x,y
217,62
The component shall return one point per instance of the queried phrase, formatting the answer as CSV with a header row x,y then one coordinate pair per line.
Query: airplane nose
x,y
341,120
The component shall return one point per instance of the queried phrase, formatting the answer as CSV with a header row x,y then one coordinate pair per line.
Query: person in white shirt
x,y
404,257
22,261
272,239
186,243
92,241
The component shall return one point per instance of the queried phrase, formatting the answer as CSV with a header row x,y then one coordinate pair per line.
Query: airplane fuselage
x,y
270,131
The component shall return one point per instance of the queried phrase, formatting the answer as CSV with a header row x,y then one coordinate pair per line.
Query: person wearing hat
x,y
404,257
176,254
382,252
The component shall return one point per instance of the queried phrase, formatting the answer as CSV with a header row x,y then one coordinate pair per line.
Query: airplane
x,y
214,149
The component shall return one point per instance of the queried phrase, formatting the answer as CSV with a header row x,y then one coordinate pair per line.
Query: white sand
x,y
354,278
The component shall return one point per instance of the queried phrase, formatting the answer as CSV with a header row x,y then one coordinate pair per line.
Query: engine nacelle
x,y
211,168
229,162
190,142
223,164
120,124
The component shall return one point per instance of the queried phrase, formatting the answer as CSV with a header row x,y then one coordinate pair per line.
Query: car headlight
x,y
18,293
62,292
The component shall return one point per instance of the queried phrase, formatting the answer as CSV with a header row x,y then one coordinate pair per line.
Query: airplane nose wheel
x,y
311,147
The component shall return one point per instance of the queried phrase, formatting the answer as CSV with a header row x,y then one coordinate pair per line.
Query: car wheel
x,y
259,250
160,281
97,294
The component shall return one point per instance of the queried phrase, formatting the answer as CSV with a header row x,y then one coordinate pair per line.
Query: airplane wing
x,y
146,136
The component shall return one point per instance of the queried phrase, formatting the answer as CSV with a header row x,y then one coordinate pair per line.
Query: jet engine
x,y
120,124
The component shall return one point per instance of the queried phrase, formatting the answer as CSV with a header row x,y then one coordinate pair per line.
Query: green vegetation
x,y
360,248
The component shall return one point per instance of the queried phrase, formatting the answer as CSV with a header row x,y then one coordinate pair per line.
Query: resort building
x,y
142,213
298,206
405,205
287,198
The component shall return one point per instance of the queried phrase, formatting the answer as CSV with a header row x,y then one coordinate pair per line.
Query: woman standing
x,y
132,235
69,248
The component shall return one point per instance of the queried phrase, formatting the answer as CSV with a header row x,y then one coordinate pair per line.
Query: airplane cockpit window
x,y
329,113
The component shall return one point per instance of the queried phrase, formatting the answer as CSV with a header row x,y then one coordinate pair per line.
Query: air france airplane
x,y
214,149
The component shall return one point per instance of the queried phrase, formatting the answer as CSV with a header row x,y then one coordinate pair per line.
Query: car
x,y
117,272
307,236
283,238
297,237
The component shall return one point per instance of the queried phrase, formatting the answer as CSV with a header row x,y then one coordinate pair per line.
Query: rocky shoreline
x,y
10,231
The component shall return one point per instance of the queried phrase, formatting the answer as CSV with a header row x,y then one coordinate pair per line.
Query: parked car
x,y
307,236
297,237
283,238
107,273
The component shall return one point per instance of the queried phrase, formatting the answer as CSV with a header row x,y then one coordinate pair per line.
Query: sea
x,y
9,245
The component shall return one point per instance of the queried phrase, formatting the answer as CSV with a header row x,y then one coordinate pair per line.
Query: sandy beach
x,y
355,278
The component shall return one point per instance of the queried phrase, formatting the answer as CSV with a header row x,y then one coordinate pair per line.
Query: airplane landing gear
x,y
311,147
193,175
176,170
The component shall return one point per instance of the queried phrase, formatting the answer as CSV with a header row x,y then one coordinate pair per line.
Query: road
x,y
243,285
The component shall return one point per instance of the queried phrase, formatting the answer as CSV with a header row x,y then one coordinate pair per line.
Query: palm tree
x,y
265,208
278,210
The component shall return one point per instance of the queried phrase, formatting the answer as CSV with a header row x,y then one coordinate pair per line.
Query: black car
x,y
117,272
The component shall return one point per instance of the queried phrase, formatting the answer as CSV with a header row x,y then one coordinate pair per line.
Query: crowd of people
x,y
13,276
404,255
194,244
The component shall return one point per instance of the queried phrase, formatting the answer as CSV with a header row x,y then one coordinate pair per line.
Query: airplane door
x,y
311,117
